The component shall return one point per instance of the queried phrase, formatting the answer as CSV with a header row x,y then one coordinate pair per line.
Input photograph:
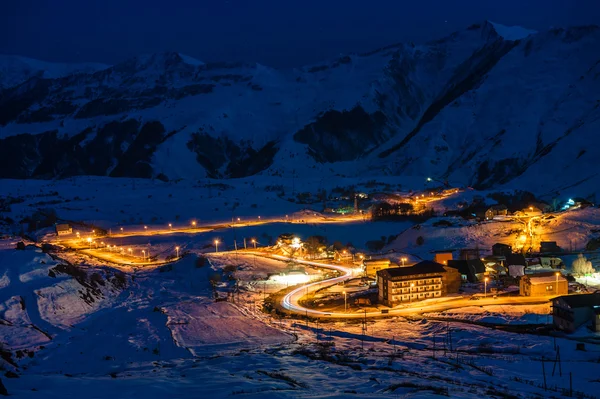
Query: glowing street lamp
x,y
485,280
177,249
89,240
146,228
216,245
143,254
193,224
557,274
259,218
429,179
403,260
254,242
121,230
170,226
129,250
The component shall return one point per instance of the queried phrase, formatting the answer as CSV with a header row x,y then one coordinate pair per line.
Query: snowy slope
x,y
15,70
486,106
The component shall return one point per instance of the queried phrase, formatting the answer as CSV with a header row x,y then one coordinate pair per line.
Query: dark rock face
x,y
342,136
221,157
91,152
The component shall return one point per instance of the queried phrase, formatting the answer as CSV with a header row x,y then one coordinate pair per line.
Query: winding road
x,y
290,302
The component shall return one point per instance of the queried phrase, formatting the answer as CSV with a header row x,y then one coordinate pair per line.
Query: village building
x,y
472,270
549,247
63,229
532,210
469,253
570,312
542,284
424,280
372,266
500,249
496,210
442,256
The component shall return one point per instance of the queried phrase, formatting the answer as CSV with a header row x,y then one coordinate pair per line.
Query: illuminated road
x,y
290,301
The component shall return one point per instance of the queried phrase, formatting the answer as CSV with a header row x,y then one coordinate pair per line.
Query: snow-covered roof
x,y
545,279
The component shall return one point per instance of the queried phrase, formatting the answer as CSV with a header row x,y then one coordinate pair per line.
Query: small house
x,y
63,229
532,210
496,210
469,253
442,256
500,249
549,246
372,266
471,270
515,259
542,284
569,312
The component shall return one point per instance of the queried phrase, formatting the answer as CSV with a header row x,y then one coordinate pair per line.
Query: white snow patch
x,y
512,32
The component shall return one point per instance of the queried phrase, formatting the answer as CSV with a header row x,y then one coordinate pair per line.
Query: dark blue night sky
x,y
279,33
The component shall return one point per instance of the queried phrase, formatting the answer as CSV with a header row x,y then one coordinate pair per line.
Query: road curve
x,y
290,300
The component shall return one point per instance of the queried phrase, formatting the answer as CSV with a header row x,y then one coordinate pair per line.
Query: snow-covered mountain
x,y
486,106
15,70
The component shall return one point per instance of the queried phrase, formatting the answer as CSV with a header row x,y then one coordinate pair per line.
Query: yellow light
x,y
89,239
177,248
485,279
216,241
523,238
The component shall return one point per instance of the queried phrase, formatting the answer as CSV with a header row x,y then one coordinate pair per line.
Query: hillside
x,y
486,107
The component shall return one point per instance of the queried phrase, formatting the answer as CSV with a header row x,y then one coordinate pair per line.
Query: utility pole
x,y
245,243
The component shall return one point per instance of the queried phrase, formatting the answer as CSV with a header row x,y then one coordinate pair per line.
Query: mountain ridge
x,y
401,109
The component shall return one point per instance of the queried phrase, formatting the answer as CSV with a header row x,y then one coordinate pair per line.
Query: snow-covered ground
x,y
501,314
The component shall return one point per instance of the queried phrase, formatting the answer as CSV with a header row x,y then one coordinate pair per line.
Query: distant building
x,y
549,246
63,229
542,284
500,249
469,253
515,260
372,266
496,210
532,211
443,256
471,270
424,280
569,312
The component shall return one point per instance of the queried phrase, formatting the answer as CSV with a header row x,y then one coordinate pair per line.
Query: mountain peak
x,y
511,33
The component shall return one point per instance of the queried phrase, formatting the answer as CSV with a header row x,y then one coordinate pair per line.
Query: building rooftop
x,y
536,279
580,300
424,267
62,227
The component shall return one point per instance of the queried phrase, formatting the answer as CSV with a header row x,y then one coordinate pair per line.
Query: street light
x,y
121,230
129,250
403,260
485,280
345,302
193,224
216,245
143,254
89,240
170,226
146,228
177,249
254,242
557,274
